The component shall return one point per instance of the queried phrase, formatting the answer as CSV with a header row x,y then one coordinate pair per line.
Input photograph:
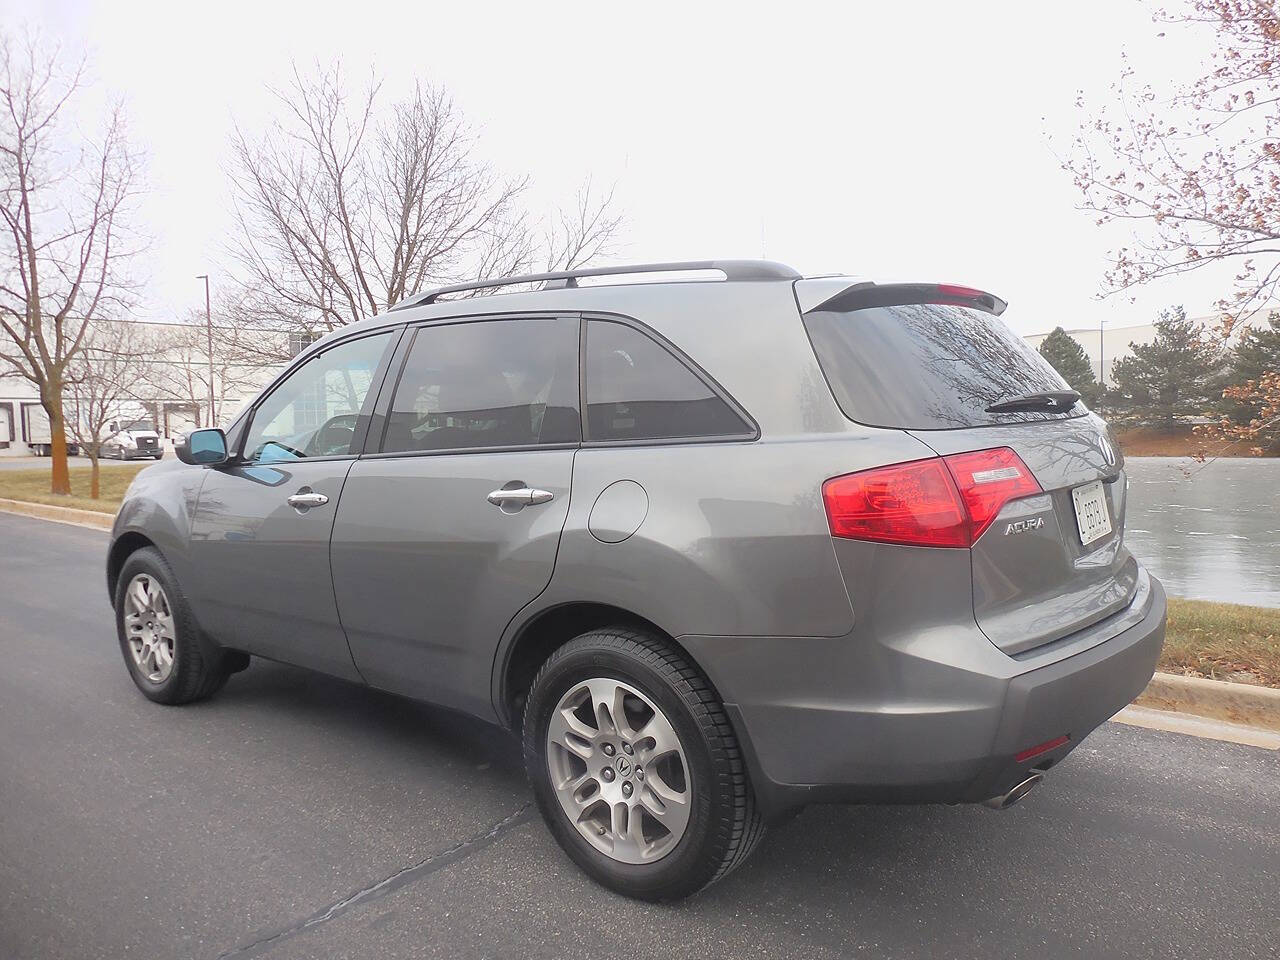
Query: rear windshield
x,y
928,366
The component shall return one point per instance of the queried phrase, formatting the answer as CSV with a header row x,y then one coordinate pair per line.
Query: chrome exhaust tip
x,y
1007,800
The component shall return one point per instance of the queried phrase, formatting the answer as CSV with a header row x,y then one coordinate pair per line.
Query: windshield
x,y
928,366
137,425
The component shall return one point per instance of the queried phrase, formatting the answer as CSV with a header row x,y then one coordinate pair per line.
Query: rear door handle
x,y
304,500
524,496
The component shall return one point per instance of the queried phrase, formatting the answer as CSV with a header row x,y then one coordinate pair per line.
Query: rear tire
x,y
168,658
671,752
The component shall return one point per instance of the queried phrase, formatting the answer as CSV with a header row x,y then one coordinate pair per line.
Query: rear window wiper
x,y
1050,400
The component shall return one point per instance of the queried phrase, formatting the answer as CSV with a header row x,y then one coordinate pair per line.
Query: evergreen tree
x,y
1254,355
1066,356
1172,377
1258,351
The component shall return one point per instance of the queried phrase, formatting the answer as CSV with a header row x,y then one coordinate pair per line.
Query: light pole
x,y
208,331
1102,357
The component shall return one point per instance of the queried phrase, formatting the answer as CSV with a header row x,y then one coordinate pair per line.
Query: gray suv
x,y
717,546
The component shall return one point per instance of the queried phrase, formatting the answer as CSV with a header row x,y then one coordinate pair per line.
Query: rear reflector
x,y
1032,752
940,502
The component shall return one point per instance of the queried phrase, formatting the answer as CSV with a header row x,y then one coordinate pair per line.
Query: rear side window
x,y
638,390
928,366
491,383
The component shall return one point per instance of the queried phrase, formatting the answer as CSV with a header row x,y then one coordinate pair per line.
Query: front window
x,y
314,412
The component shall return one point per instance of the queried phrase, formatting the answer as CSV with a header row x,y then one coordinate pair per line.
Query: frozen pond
x,y
1208,531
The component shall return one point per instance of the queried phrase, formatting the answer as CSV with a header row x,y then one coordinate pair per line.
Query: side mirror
x,y
113,426
203,447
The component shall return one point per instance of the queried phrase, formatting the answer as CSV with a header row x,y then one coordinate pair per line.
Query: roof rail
x,y
732,270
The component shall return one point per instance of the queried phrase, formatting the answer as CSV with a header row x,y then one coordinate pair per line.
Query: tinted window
x,y
492,383
313,413
928,366
637,390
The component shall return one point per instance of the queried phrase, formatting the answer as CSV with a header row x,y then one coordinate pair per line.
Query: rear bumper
x,y
942,719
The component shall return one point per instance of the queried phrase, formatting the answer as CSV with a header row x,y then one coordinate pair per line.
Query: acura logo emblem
x,y
1108,452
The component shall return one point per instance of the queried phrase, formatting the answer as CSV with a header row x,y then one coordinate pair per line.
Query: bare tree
x,y
63,213
180,368
586,232
102,383
1194,171
343,210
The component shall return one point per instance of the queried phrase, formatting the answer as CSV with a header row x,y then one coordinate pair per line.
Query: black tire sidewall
x,y
189,653
696,858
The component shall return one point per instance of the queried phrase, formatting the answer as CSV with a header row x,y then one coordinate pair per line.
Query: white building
x,y
1110,344
173,388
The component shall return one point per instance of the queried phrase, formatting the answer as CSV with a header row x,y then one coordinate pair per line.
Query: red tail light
x,y
941,502
987,480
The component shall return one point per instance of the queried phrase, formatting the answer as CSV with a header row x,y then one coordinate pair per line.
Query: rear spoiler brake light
x,y
861,295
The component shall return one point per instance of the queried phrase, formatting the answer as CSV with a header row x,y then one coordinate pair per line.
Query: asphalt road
x,y
296,816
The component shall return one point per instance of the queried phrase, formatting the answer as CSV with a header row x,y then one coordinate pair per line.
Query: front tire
x,y
635,766
164,651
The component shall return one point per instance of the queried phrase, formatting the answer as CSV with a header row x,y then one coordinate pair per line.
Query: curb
x,y
1240,703
1196,726
47,511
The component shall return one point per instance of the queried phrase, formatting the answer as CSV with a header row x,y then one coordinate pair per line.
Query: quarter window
x,y
314,412
638,390
488,383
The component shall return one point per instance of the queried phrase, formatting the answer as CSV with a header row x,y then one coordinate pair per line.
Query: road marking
x,y
1198,727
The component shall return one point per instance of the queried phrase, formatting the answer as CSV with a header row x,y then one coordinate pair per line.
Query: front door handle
x,y
523,496
302,501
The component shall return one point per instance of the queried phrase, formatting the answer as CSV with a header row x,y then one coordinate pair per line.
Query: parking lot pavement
x,y
297,816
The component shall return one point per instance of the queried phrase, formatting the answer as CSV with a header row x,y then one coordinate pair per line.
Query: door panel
x,y
428,572
265,584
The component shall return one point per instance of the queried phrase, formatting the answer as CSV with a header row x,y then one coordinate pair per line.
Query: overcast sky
x,y
894,141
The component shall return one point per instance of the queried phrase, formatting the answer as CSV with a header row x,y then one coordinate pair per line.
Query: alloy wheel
x,y
148,622
619,770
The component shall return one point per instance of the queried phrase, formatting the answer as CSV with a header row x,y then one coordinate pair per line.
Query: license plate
x,y
1092,516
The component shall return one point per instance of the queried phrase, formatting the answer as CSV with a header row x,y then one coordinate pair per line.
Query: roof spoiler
x,y
861,294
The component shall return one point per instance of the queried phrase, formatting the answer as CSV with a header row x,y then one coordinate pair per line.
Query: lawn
x,y
1178,442
33,486
1222,641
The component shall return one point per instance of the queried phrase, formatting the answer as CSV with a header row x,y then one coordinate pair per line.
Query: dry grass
x,y
1177,442
1223,641
33,486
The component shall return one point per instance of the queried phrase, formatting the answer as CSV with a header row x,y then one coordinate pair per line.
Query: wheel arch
x,y
125,545
546,630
